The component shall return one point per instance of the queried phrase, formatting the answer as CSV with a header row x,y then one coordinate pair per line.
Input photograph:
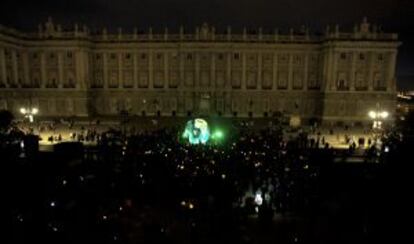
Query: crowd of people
x,y
155,187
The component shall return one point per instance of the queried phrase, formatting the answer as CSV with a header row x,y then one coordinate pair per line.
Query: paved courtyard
x,y
336,137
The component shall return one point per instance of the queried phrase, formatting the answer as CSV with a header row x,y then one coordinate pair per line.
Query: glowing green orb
x,y
218,134
197,131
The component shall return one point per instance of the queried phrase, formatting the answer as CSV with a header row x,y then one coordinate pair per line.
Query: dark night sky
x,y
392,15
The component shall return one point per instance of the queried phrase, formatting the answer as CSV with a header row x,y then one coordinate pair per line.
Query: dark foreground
x,y
155,189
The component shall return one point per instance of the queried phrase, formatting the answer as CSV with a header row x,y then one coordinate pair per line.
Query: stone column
x,y
243,81
259,71
60,70
105,70
120,73
275,64
391,86
352,71
15,69
3,67
135,69
370,70
305,74
290,69
42,70
150,71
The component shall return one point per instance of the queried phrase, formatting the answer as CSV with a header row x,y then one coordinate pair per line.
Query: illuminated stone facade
x,y
334,76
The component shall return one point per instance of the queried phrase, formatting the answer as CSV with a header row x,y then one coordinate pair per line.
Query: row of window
x,y
189,56
189,113
36,56
280,86
362,56
343,85
51,55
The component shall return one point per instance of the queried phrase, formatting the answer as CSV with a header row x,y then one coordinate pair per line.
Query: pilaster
x,y
42,70
26,77
259,71
305,71
135,69
166,70
334,70
105,70
243,81
197,69
352,71
275,64
120,71
370,71
3,67
391,86
150,71
290,71
213,71
60,70
228,70
15,68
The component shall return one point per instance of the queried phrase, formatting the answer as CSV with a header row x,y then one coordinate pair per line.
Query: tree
x,y
6,118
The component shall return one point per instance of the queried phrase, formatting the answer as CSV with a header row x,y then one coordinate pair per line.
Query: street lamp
x,y
29,113
377,117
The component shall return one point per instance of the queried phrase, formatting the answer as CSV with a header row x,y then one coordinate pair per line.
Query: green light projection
x,y
217,135
197,131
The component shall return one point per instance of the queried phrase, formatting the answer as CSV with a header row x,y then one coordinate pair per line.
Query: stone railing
x,y
186,37
363,36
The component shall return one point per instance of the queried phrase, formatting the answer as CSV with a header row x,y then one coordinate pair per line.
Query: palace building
x,y
335,76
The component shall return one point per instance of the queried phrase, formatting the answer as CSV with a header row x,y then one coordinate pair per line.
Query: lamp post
x,y
29,113
378,116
